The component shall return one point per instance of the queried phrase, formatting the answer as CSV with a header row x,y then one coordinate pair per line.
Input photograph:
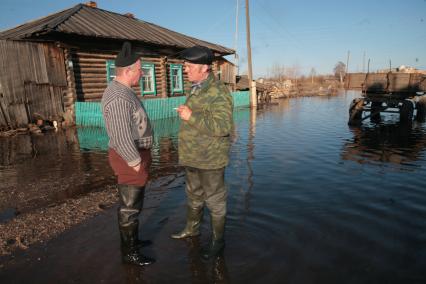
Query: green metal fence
x,y
96,138
89,113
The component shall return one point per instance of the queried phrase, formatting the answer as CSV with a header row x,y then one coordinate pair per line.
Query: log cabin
x,y
50,64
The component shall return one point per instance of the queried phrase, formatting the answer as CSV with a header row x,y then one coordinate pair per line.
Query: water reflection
x,y
300,211
39,170
395,143
250,158
201,270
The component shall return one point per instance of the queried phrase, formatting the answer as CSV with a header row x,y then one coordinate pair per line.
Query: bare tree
x,y
277,72
340,70
293,72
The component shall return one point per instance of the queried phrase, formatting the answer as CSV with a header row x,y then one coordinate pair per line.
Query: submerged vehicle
x,y
393,92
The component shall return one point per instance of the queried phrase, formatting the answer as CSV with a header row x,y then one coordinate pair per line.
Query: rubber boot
x,y
131,203
193,220
217,243
129,249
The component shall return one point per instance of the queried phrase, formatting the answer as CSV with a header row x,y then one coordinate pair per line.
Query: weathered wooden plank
x,y
89,70
55,65
89,90
81,54
83,65
386,82
100,79
32,67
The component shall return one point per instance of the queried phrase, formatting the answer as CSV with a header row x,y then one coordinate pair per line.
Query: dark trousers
x,y
207,186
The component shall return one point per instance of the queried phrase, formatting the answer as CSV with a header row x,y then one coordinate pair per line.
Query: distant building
x,y
403,69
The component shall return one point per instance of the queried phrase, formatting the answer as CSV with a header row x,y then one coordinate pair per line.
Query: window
x,y
219,75
110,66
148,83
176,78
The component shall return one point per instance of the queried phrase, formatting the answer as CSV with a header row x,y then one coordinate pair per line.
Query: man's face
x,y
135,73
196,72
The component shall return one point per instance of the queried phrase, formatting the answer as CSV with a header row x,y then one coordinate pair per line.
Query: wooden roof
x,y
83,20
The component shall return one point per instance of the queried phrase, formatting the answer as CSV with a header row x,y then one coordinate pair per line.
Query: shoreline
x,y
46,223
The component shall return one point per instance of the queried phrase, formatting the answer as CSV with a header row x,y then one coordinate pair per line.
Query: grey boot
x,y
217,243
193,220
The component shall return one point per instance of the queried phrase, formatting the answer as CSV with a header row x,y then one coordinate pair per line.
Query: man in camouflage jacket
x,y
204,141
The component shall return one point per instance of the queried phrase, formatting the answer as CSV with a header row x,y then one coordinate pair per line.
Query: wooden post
x,y
236,41
163,68
347,62
70,95
253,97
363,63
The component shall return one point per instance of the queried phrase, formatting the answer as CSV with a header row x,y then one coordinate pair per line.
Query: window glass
x,y
176,78
148,79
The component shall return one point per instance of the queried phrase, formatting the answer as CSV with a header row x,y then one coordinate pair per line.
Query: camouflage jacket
x,y
204,139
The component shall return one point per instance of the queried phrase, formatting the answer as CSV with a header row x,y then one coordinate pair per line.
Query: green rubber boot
x,y
217,243
193,220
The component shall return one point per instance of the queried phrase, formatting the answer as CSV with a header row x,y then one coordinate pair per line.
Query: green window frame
x,y
110,69
148,82
176,78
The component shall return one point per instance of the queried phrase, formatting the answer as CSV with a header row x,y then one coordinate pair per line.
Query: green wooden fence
x,y
96,138
89,113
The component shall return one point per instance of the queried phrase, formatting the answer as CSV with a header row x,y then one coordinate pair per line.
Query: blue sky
x,y
304,34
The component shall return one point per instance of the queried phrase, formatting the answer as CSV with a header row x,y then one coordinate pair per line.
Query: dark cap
x,y
198,55
126,56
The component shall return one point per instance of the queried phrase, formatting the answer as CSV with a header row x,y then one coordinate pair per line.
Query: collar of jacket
x,y
197,88
206,83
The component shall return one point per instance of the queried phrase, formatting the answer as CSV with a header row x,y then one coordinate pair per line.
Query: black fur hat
x,y
126,57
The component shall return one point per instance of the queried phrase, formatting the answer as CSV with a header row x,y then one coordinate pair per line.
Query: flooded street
x,y
311,200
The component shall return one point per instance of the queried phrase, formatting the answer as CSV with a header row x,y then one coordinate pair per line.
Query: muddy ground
x,y
51,182
43,224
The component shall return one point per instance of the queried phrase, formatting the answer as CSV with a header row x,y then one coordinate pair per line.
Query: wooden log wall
x,y
90,74
31,82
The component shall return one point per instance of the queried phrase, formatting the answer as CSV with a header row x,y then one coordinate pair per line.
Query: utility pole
x,y
363,63
347,62
253,96
236,38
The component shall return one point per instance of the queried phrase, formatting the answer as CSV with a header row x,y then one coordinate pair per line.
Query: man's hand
x,y
137,167
184,112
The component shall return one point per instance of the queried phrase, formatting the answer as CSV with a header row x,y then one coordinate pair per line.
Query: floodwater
x,y
311,200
